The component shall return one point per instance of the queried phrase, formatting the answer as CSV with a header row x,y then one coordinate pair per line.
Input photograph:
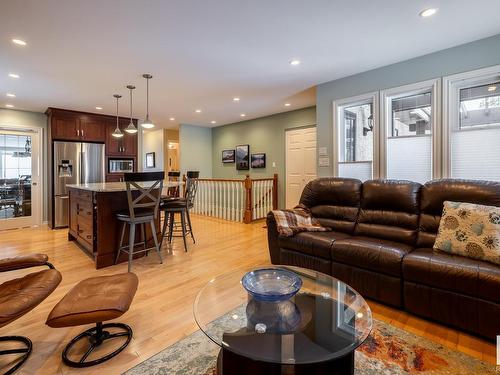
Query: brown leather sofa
x,y
381,245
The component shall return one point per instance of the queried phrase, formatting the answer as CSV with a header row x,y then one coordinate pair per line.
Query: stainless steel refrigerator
x,y
74,163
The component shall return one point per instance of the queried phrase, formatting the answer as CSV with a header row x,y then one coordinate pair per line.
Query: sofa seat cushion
x,y
371,253
312,243
453,273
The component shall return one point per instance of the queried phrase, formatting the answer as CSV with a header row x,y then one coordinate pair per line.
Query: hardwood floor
x,y
161,313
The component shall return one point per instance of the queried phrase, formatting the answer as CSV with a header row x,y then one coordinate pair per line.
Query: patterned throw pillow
x,y
470,230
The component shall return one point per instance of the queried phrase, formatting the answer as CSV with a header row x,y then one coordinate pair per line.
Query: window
x,y
480,105
354,125
408,113
472,133
411,115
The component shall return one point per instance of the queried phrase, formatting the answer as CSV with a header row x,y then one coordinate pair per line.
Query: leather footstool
x,y
93,301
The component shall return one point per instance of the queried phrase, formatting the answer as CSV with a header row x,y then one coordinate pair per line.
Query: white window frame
x,y
386,96
451,91
338,115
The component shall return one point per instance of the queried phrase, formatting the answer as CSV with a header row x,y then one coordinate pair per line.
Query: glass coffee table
x,y
314,332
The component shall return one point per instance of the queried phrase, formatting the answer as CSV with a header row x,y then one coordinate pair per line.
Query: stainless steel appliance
x,y
120,165
74,163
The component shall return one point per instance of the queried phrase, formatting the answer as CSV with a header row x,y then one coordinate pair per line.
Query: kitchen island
x,y
93,224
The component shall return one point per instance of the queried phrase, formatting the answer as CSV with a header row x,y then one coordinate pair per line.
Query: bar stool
x,y
173,192
181,206
141,210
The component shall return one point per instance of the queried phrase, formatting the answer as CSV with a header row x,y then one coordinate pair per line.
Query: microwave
x,y
120,165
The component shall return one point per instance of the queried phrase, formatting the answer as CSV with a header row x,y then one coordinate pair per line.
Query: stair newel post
x,y
275,191
247,218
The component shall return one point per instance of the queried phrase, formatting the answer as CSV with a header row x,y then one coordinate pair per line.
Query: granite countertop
x,y
107,187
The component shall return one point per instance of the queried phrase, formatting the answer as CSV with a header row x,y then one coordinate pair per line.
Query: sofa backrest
x,y
334,201
434,193
389,210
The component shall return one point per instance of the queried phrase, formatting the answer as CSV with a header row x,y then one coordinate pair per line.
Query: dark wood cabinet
x,y
81,218
124,146
65,128
92,129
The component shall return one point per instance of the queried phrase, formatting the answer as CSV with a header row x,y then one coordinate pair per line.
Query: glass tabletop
x,y
325,320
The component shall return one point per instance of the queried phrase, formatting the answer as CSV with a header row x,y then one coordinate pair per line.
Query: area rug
x,y
388,351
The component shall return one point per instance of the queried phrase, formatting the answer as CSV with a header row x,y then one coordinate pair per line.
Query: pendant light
x,y
147,123
131,127
117,132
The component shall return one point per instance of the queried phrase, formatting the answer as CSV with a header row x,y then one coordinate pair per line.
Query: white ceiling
x,y
203,53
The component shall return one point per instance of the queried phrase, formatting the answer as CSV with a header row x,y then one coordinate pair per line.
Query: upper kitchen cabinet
x,y
68,125
124,146
92,129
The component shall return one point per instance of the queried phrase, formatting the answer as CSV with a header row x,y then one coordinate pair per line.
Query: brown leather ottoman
x,y
95,300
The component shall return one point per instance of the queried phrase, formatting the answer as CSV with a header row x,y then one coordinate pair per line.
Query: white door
x,y
300,162
20,182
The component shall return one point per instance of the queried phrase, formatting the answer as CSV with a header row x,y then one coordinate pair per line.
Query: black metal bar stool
x,y
141,210
181,206
173,191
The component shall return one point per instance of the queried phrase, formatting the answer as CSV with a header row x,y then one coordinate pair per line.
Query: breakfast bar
x,y
92,221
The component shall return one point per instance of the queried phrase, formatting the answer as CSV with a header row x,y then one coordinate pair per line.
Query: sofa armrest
x,y
24,261
272,239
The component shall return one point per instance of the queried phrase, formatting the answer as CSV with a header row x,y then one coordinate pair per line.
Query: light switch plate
x,y
274,164
324,162
322,151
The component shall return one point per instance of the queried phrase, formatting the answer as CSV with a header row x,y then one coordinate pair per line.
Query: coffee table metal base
x,y
229,363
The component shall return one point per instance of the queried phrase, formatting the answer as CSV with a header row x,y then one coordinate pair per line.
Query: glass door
x,y
19,179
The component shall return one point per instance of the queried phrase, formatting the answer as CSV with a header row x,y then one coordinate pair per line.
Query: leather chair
x,y
381,245
19,296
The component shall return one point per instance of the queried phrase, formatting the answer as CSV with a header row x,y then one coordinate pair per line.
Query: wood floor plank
x,y
161,313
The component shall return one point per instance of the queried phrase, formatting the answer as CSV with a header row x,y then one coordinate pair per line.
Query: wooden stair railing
x,y
237,200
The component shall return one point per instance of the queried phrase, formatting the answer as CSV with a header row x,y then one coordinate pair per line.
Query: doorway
x,y
300,162
173,156
20,180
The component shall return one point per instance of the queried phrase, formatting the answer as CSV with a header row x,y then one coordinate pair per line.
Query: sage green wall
x,y
265,134
195,149
479,54
10,117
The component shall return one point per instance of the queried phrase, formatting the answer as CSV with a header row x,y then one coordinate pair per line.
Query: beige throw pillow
x,y
470,230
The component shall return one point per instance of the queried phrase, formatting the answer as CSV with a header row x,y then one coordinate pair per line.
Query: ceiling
x,y
203,53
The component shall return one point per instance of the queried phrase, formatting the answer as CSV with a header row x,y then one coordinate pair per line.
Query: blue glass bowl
x,y
271,284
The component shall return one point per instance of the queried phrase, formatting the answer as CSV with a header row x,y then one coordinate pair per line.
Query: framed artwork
x,y
150,160
258,160
228,156
242,157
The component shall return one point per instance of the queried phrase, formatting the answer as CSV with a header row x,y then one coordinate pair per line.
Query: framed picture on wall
x,y
150,160
258,160
228,156
242,157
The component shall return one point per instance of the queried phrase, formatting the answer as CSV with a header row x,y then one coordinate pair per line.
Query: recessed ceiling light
x,y
287,104
10,95
428,12
9,105
492,88
242,115
213,122
98,108
13,75
198,111
236,99
172,118
295,62
19,42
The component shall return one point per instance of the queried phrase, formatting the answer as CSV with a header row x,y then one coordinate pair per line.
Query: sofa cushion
x,y
470,230
312,243
334,202
389,210
453,273
434,193
371,253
